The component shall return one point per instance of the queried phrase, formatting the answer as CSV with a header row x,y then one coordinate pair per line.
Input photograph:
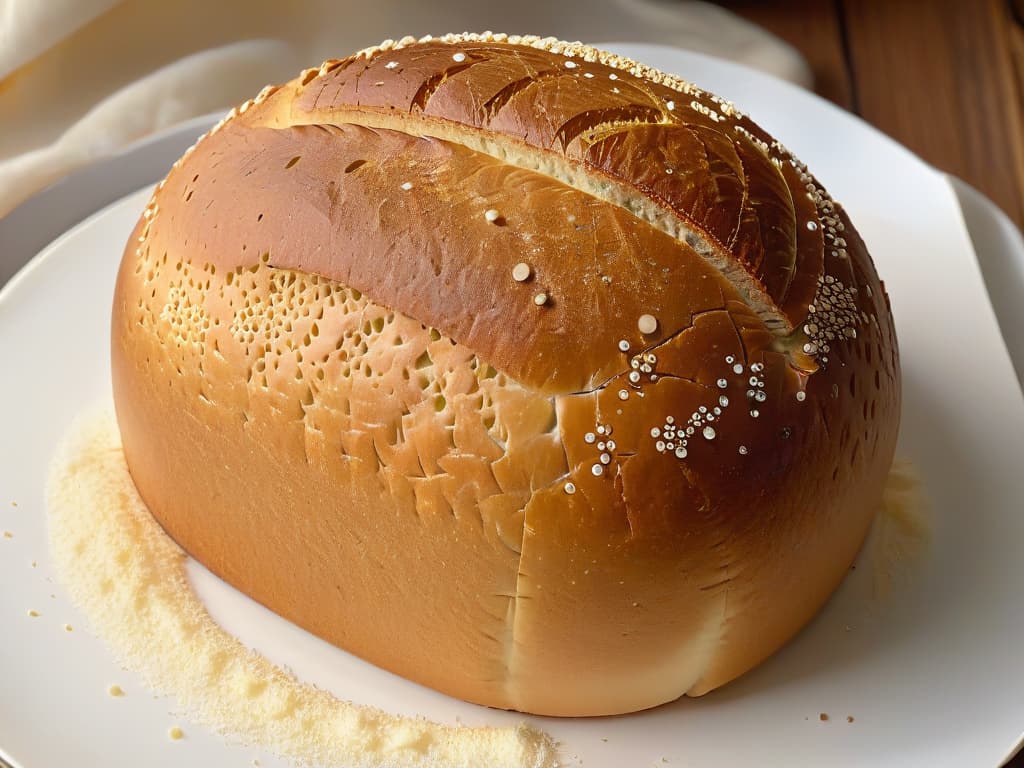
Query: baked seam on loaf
x,y
515,367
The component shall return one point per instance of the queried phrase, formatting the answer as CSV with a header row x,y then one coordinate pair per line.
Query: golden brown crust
x,y
335,394
358,196
679,150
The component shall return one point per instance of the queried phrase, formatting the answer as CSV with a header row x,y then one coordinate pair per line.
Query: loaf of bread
x,y
519,369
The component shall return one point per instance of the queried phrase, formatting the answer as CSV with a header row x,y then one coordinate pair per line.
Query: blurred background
x,y
80,79
945,78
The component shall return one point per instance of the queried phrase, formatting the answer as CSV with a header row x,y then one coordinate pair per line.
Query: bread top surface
x,y
679,155
425,173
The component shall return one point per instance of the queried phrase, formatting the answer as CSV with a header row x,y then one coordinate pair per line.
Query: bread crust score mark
x,y
636,488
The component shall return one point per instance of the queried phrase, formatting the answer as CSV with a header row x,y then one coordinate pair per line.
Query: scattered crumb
x,y
33,614
116,691
901,532
34,564
68,628
8,535
849,718
14,503
176,733
94,511
604,739
823,717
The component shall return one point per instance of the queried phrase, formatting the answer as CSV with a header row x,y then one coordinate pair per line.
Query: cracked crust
x,y
333,393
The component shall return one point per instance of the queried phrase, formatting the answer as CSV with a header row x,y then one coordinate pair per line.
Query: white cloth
x,y
81,78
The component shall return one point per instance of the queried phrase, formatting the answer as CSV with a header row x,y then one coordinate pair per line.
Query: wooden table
x,y
944,78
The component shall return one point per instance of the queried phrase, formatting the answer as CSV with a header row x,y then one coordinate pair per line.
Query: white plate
x,y
933,674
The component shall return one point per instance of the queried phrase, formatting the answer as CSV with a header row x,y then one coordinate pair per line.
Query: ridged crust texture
x,y
517,368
